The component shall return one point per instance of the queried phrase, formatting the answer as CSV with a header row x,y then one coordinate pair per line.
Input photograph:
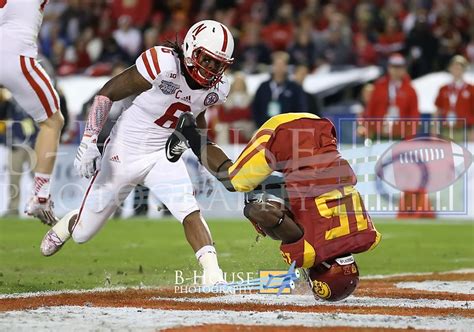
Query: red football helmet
x,y
336,279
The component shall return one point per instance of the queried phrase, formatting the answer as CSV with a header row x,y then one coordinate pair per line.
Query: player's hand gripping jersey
x,y
320,186
150,120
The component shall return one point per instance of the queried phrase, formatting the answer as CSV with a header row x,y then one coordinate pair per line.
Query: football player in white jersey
x,y
23,76
168,81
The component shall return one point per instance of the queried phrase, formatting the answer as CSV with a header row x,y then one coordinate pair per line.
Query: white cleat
x,y
42,208
51,243
58,235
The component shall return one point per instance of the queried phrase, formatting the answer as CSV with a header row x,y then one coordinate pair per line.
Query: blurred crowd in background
x,y
92,36
288,39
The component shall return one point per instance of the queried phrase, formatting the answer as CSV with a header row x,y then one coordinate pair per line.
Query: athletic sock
x,y
212,274
62,227
42,182
207,257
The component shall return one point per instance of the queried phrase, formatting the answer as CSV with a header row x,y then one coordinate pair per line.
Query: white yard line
x,y
111,289
308,300
72,318
458,287
386,276
71,291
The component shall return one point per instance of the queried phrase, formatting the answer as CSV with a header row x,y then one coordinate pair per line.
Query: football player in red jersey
x,y
324,222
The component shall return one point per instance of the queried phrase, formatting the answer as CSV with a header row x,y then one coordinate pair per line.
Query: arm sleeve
x,y
251,168
97,116
147,64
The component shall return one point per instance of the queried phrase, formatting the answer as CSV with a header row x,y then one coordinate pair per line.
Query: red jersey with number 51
x,y
320,185
154,113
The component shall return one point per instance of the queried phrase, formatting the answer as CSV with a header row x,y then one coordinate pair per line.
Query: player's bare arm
x,y
125,84
215,159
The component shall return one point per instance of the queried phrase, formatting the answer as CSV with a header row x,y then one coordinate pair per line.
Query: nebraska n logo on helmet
x,y
208,48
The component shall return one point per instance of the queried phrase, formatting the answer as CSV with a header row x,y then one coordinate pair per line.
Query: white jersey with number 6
x,y
135,150
147,124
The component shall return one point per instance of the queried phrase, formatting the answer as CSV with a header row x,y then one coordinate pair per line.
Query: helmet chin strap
x,y
189,71
326,265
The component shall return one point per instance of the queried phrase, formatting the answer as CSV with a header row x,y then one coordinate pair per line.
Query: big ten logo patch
x,y
168,88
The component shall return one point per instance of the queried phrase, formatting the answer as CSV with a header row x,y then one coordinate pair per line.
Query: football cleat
x,y
177,142
41,208
58,235
51,243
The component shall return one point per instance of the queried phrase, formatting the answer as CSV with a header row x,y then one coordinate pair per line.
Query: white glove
x,y
88,157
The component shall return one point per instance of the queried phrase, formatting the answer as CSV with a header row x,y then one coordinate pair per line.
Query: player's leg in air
x,y
106,187
107,190
32,89
111,185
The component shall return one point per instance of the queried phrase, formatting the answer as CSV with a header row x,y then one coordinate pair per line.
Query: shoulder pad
x,y
157,61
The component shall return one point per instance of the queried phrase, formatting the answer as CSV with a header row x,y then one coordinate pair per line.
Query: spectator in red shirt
x,y
279,34
176,28
235,124
138,10
393,94
364,51
394,98
455,101
391,40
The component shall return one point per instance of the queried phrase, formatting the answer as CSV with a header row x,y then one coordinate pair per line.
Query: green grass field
x,y
143,252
